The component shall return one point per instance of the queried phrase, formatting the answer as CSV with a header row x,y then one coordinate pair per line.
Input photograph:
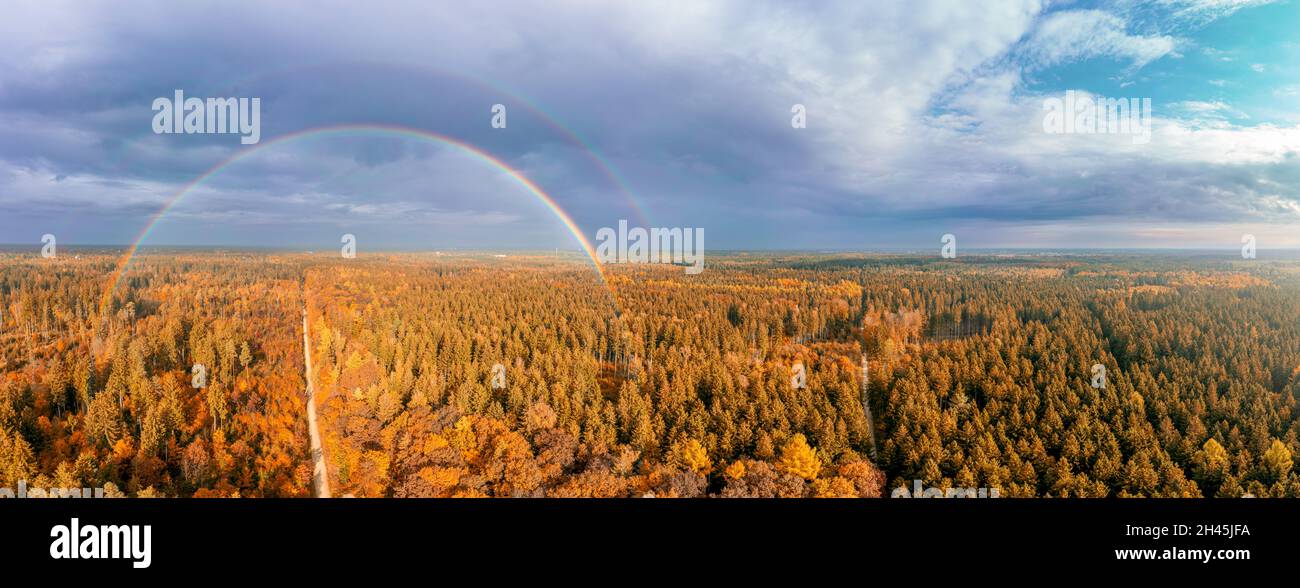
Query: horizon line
x,y
821,250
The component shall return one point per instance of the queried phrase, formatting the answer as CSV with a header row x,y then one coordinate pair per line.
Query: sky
x,y
923,118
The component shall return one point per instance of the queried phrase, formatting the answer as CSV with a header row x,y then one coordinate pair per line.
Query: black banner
x,y
932,537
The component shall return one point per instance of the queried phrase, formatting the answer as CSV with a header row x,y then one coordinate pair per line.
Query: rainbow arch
x,y
343,129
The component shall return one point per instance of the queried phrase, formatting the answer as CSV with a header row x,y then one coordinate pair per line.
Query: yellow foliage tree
x,y
1277,460
691,455
1216,457
799,459
735,471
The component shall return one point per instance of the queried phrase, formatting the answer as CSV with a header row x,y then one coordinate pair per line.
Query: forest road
x,y
866,405
319,475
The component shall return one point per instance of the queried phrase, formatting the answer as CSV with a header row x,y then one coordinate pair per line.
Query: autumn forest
x,y
533,375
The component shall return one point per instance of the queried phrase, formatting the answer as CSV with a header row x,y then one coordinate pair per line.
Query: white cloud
x,y
1208,10
1085,34
1216,109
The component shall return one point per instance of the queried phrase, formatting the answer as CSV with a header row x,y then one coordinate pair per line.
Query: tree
x,y
539,416
735,471
103,420
195,462
1211,463
1277,461
691,455
57,381
799,459
218,408
17,461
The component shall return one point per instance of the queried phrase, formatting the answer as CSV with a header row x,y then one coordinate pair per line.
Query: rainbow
x,y
341,129
542,115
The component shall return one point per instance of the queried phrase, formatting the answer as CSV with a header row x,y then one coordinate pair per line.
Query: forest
x,y
766,375
98,385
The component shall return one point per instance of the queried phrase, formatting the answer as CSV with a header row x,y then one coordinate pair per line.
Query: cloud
x,y
1087,34
922,115
1203,11
1216,110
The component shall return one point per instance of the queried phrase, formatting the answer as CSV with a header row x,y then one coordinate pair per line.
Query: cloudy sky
x,y
924,117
